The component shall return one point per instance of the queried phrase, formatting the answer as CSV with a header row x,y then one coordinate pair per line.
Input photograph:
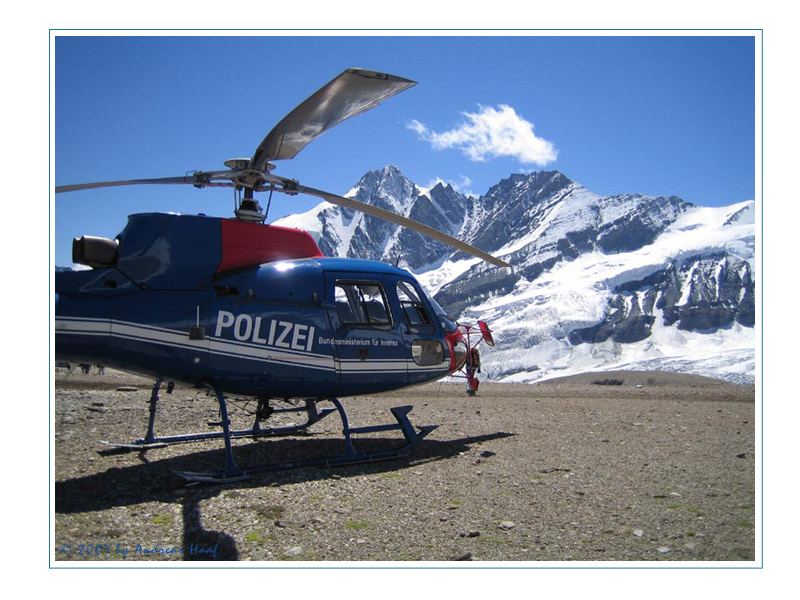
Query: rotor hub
x,y
250,210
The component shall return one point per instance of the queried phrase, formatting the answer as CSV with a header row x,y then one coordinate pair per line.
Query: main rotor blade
x,y
347,95
198,179
404,221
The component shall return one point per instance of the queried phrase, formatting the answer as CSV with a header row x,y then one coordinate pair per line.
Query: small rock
x,y
487,453
506,525
289,524
638,532
294,551
664,549
127,388
471,534
467,556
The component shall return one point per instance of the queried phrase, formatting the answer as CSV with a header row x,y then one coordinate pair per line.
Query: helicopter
x,y
244,308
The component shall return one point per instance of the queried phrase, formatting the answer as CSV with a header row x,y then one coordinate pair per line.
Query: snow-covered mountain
x,y
598,282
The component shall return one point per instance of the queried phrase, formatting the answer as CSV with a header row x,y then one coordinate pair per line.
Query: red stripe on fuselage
x,y
245,244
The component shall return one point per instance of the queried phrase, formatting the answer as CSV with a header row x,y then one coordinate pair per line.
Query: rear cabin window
x,y
362,305
414,311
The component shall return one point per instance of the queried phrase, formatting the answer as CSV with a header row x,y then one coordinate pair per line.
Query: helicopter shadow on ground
x,y
155,480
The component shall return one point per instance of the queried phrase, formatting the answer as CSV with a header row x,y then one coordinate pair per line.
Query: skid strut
x,y
232,472
150,440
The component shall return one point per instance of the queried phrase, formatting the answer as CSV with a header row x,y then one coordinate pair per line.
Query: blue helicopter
x,y
249,309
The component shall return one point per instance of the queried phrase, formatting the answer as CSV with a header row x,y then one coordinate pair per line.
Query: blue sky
x,y
671,115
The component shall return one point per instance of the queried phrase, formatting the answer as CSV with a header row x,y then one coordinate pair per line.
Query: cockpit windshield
x,y
448,324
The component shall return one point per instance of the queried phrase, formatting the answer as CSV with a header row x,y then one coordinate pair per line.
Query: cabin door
x,y
365,335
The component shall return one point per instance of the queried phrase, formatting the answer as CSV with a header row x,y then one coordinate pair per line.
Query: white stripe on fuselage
x,y
234,349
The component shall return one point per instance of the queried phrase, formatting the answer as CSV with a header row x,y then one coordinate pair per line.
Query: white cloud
x,y
491,133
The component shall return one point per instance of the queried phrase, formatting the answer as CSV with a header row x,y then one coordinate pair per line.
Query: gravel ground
x,y
602,467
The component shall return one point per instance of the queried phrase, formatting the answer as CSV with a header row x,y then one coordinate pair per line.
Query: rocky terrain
x,y
615,466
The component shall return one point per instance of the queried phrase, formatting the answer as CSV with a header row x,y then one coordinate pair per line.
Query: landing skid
x,y
137,445
231,472
150,440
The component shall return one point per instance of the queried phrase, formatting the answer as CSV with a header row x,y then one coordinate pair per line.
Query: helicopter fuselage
x,y
249,309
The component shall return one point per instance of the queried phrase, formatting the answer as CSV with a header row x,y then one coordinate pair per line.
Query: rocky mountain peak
x,y
387,188
521,186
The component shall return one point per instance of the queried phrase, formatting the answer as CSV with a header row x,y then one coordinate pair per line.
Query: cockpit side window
x,y
362,305
416,315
